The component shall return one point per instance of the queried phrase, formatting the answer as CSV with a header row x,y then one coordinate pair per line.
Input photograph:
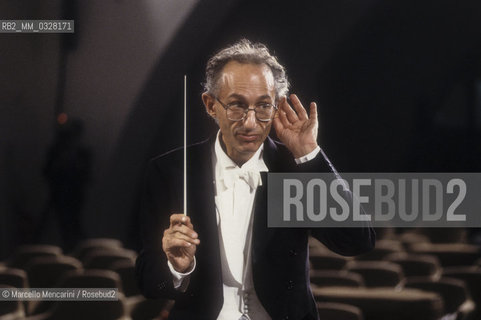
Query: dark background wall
x,y
398,84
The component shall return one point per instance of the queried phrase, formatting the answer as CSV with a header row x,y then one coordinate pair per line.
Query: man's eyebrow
x,y
264,97
236,96
241,97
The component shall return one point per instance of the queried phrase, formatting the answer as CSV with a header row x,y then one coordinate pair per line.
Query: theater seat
x,y
445,235
416,265
317,246
24,253
151,309
453,291
322,261
478,263
84,247
382,249
10,310
338,311
105,258
472,278
410,237
377,273
453,254
45,272
384,303
85,310
339,278
385,233
126,271
16,278
90,279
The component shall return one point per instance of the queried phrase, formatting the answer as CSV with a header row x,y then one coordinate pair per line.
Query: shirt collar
x,y
224,163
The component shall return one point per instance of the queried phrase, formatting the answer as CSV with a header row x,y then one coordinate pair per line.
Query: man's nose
x,y
250,120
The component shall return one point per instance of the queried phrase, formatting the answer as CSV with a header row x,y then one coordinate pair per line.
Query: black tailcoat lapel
x,y
201,209
262,234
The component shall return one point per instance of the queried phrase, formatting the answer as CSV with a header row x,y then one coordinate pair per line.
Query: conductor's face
x,y
250,86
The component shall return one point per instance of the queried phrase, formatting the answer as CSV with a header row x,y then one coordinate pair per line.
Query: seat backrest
x,y
105,258
11,309
326,262
382,249
81,310
16,278
472,278
45,272
449,254
453,291
377,273
151,309
84,247
90,279
24,253
339,278
385,303
477,263
411,237
416,265
445,235
338,311
126,271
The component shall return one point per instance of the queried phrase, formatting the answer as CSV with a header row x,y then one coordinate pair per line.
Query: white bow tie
x,y
251,177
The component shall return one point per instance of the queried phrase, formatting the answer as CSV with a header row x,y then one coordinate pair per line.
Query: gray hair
x,y
245,51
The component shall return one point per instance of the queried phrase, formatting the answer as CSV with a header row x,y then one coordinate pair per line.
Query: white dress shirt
x,y
235,192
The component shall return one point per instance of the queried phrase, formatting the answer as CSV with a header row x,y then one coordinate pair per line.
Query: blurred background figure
x,y
67,171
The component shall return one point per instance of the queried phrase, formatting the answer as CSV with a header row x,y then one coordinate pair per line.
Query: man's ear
x,y
209,102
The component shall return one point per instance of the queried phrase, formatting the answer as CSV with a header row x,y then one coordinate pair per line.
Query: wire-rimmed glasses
x,y
237,111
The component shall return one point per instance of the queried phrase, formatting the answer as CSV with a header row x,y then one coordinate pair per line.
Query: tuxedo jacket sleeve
x,y
163,196
279,255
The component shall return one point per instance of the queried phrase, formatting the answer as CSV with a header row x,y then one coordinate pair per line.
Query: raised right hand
x,y
180,242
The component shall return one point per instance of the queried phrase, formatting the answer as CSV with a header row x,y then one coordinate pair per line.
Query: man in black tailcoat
x,y
222,261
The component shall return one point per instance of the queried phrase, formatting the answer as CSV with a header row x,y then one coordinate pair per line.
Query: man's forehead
x,y
246,77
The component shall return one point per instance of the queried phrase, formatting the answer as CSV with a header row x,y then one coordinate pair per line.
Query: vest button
x,y
290,285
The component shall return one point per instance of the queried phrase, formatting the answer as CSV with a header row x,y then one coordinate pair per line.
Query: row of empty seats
x,y
95,263
409,274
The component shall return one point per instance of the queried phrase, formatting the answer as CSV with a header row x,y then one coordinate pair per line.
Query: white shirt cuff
x,y
180,277
308,157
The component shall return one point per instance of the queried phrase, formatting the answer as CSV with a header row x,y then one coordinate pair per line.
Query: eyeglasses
x,y
237,111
